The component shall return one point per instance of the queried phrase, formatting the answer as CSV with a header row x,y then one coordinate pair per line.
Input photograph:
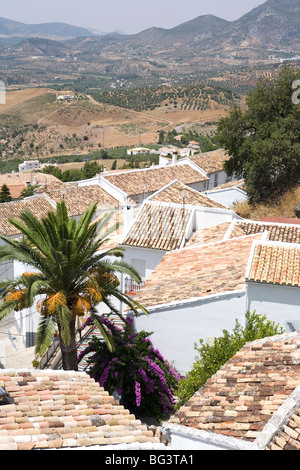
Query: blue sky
x,y
130,16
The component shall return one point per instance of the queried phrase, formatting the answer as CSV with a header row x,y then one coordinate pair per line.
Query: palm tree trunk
x,y
69,351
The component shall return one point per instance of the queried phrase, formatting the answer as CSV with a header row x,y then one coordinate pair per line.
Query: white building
x,y
273,282
29,165
229,193
195,293
172,217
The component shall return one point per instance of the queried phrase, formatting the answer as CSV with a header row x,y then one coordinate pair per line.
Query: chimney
x,y
174,158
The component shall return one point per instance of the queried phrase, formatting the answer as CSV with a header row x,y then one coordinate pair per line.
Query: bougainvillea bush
x,y
145,381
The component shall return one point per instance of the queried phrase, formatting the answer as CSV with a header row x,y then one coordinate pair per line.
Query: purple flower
x,y
138,393
143,374
104,376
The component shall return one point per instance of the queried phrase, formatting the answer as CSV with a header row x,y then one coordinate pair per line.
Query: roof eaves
x,y
202,299
214,439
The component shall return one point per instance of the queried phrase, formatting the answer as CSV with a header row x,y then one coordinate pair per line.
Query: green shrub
x,y
213,357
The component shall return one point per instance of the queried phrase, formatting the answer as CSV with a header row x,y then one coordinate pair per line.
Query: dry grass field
x,y
283,208
84,125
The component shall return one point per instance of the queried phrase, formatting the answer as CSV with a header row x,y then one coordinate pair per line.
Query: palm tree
x,y
71,275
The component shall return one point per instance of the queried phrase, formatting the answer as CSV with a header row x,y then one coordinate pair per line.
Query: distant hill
x,y
273,25
37,47
59,31
270,32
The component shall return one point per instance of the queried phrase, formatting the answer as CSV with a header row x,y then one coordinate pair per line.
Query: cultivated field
x,y
34,124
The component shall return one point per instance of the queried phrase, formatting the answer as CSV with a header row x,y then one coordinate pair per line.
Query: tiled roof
x,y
179,193
209,234
16,182
275,263
40,206
12,179
57,409
197,272
241,398
159,227
211,162
149,180
79,199
288,436
276,232
230,184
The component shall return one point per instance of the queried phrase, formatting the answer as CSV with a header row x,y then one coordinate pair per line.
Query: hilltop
x,y
59,31
266,35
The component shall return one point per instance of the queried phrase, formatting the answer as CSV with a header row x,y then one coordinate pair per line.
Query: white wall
x,y
151,258
177,328
227,197
216,179
280,304
208,217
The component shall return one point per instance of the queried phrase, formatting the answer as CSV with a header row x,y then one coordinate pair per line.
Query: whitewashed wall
x,y
177,328
150,257
208,217
227,197
280,304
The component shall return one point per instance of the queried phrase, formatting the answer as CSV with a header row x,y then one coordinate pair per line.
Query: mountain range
x,y
272,30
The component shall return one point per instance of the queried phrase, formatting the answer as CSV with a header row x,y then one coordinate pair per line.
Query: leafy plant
x,y
263,140
70,277
213,357
137,371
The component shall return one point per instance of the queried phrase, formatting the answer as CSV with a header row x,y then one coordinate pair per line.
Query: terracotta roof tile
x,y
211,162
152,179
288,436
209,234
79,198
241,398
179,193
40,206
57,409
159,226
197,272
230,184
32,177
276,232
275,263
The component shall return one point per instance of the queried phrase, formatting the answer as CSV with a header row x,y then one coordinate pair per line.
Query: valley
x,y
128,88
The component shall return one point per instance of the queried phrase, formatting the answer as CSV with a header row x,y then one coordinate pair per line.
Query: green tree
x,y
161,137
74,174
28,191
53,170
90,169
213,357
5,195
263,140
114,165
71,275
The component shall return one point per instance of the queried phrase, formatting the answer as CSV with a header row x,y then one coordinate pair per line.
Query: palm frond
x,y
45,332
33,229
122,268
108,338
8,307
63,318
